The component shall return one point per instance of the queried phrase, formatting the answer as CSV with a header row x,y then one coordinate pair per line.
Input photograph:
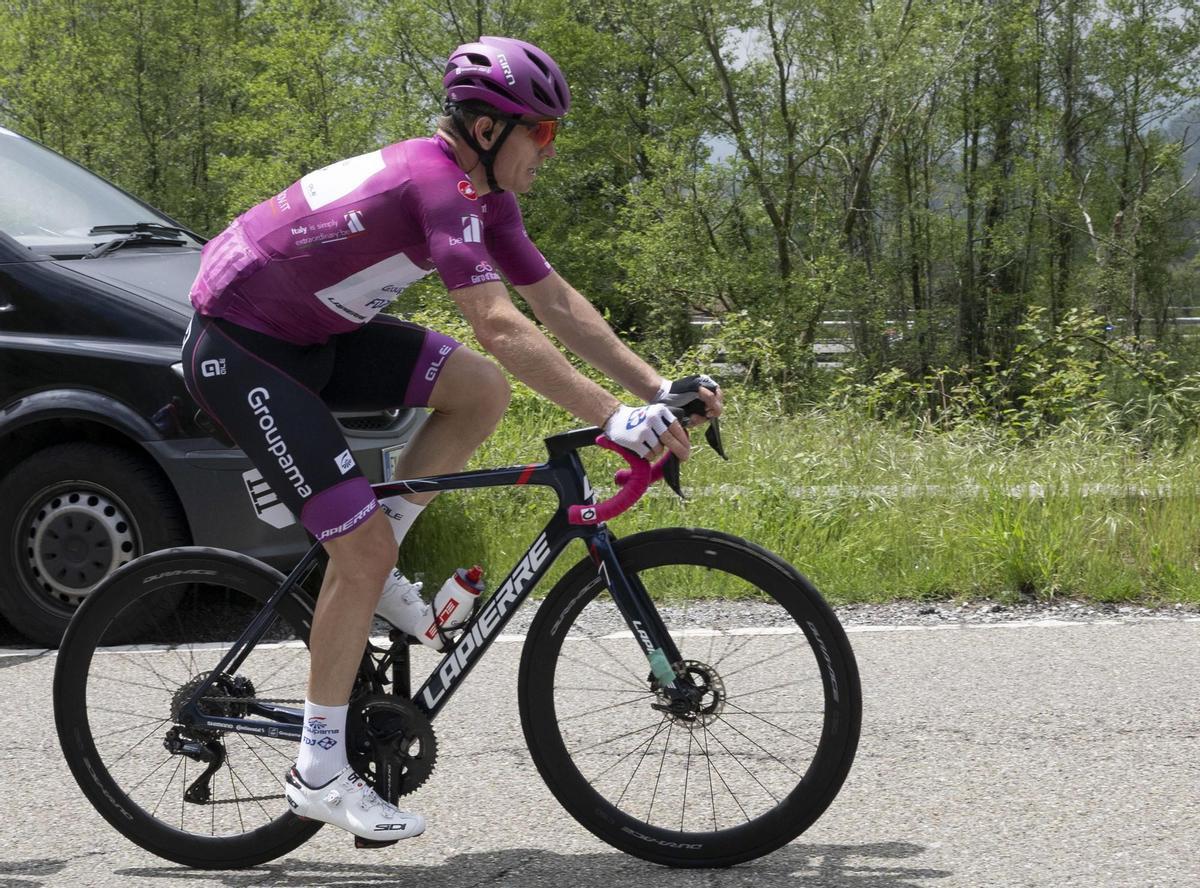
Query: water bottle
x,y
453,603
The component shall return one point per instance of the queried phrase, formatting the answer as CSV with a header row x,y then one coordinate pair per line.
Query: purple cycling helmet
x,y
510,75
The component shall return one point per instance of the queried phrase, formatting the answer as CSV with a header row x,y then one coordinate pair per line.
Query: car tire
x,y
71,515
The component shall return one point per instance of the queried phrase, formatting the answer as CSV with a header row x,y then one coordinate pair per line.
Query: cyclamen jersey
x,y
335,248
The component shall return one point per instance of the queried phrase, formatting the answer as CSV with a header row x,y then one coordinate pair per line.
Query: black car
x,y
103,454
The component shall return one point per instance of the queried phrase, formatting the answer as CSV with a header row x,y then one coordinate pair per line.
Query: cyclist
x,y
288,328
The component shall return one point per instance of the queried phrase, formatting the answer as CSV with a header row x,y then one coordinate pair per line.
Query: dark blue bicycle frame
x,y
564,473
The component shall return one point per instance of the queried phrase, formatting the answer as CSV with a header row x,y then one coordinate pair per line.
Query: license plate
x,y
391,456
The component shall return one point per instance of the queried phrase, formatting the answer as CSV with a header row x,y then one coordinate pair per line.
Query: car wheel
x,y
71,515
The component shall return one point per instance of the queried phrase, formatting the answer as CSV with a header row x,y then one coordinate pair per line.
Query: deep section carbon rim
x,y
202,783
768,699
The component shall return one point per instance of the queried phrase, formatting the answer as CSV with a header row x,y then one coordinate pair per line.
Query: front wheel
x,y
762,754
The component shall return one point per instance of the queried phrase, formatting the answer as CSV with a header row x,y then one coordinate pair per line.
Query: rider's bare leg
x,y
468,401
358,564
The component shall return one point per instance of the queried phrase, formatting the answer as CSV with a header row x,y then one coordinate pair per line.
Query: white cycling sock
x,y
323,743
401,513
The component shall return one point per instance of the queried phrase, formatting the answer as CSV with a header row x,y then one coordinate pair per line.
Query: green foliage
x,y
1077,370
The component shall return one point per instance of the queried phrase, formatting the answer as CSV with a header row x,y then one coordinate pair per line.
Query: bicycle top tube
x,y
632,482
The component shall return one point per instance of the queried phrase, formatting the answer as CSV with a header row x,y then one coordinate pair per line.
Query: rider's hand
x,y
646,430
689,388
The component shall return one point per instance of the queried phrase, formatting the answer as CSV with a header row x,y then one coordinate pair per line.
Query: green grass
x,y
872,512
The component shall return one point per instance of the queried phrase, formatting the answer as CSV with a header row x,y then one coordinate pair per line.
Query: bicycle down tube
x,y
564,473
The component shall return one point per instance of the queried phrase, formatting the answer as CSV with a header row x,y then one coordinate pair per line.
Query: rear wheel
x,y
204,798
768,740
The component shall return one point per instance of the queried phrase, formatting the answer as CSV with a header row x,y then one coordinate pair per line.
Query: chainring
x,y
390,743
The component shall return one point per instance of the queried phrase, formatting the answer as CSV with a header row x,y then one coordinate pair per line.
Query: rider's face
x,y
519,159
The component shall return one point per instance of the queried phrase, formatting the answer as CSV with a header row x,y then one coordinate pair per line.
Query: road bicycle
x,y
657,718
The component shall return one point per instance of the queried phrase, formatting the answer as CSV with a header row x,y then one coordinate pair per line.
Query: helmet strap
x,y
486,155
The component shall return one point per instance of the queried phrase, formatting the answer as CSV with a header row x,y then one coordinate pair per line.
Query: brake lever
x,y
670,474
713,436
713,433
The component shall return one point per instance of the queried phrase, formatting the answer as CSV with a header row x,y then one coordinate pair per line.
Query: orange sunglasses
x,y
542,132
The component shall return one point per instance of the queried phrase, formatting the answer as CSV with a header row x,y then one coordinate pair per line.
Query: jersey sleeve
x,y
456,244
508,242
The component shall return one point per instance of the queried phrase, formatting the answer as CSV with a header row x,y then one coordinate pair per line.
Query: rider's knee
x,y
366,554
494,390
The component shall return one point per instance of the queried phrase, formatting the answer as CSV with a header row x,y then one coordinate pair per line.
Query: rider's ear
x,y
487,133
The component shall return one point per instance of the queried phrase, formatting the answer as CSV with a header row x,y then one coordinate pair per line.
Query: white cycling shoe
x,y
401,604
348,802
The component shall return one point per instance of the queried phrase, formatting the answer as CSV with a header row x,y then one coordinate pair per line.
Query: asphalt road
x,y
1005,755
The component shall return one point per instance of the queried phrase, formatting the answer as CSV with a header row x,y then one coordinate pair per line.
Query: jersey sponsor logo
x,y
345,462
472,229
266,504
355,220
212,367
280,204
257,399
467,190
363,294
484,273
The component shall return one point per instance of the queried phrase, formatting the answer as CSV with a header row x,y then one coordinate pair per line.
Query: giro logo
x,y
213,367
508,74
483,266
467,190
472,229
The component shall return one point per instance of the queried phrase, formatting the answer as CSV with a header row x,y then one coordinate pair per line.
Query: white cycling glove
x,y
639,428
683,391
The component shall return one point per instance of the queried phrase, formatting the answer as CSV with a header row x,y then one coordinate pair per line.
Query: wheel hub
x,y
75,539
704,703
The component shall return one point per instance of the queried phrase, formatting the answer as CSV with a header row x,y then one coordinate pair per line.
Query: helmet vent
x,y
541,66
476,59
541,95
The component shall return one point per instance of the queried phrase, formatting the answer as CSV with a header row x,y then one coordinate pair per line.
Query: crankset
x,y
390,743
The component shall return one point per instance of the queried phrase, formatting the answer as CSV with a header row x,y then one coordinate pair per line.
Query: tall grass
x,y
874,512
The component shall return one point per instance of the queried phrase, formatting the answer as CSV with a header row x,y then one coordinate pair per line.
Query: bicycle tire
x,y
807,626
82,687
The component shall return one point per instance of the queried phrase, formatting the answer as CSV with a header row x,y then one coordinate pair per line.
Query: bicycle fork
x,y
635,605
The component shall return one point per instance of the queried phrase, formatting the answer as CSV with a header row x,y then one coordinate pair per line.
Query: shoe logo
x,y
327,743
391,827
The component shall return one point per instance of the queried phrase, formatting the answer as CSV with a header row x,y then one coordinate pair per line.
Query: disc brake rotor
x,y
709,698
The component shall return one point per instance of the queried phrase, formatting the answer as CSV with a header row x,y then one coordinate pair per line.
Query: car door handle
x,y
7,306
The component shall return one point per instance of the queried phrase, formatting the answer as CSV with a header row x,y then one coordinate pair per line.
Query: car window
x,y
48,201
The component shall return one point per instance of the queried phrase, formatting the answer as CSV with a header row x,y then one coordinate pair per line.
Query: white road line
x,y
687,633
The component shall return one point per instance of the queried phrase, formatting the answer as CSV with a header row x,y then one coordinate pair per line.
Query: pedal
x,y
360,842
